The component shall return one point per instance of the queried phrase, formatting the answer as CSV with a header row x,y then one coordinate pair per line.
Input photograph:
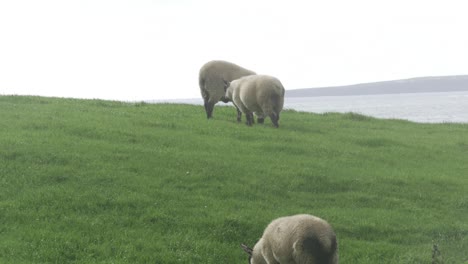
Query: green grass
x,y
91,181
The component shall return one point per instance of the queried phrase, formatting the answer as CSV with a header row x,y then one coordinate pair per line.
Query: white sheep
x,y
259,94
211,83
297,239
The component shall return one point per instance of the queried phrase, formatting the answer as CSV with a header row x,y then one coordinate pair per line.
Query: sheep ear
x,y
247,249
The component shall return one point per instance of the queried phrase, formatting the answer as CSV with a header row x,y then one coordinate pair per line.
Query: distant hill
x,y
413,85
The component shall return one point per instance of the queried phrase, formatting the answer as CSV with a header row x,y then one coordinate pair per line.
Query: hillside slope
x,y
91,181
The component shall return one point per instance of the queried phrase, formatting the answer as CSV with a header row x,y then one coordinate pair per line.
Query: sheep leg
x,y
261,120
209,109
274,118
239,115
249,117
206,108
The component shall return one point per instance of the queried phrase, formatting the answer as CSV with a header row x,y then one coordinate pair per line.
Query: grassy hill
x,y
91,181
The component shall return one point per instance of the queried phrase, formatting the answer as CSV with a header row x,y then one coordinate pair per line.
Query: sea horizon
x,y
432,107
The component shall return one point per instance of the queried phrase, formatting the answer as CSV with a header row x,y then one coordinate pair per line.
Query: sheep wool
x,y
297,239
261,95
211,82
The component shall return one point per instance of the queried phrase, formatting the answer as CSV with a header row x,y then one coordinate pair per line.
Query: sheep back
x,y
297,239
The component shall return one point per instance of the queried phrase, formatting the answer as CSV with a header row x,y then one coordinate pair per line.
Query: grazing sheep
x,y
259,94
297,239
211,83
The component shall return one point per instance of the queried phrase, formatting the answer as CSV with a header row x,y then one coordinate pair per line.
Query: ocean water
x,y
418,107
440,107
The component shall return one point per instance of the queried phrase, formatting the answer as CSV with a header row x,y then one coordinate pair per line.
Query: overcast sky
x,y
143,50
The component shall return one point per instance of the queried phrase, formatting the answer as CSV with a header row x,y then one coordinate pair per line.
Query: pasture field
x,y
92,181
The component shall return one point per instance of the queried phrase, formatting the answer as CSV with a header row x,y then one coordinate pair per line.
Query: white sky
x,y
143,50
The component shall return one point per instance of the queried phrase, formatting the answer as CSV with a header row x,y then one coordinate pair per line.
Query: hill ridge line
x,y
428,84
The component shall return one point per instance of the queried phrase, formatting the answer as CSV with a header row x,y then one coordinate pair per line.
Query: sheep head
x,y
226,85
227,91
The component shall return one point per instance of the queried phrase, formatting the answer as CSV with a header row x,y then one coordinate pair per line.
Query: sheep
x,y
297,239
259,94
211,82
